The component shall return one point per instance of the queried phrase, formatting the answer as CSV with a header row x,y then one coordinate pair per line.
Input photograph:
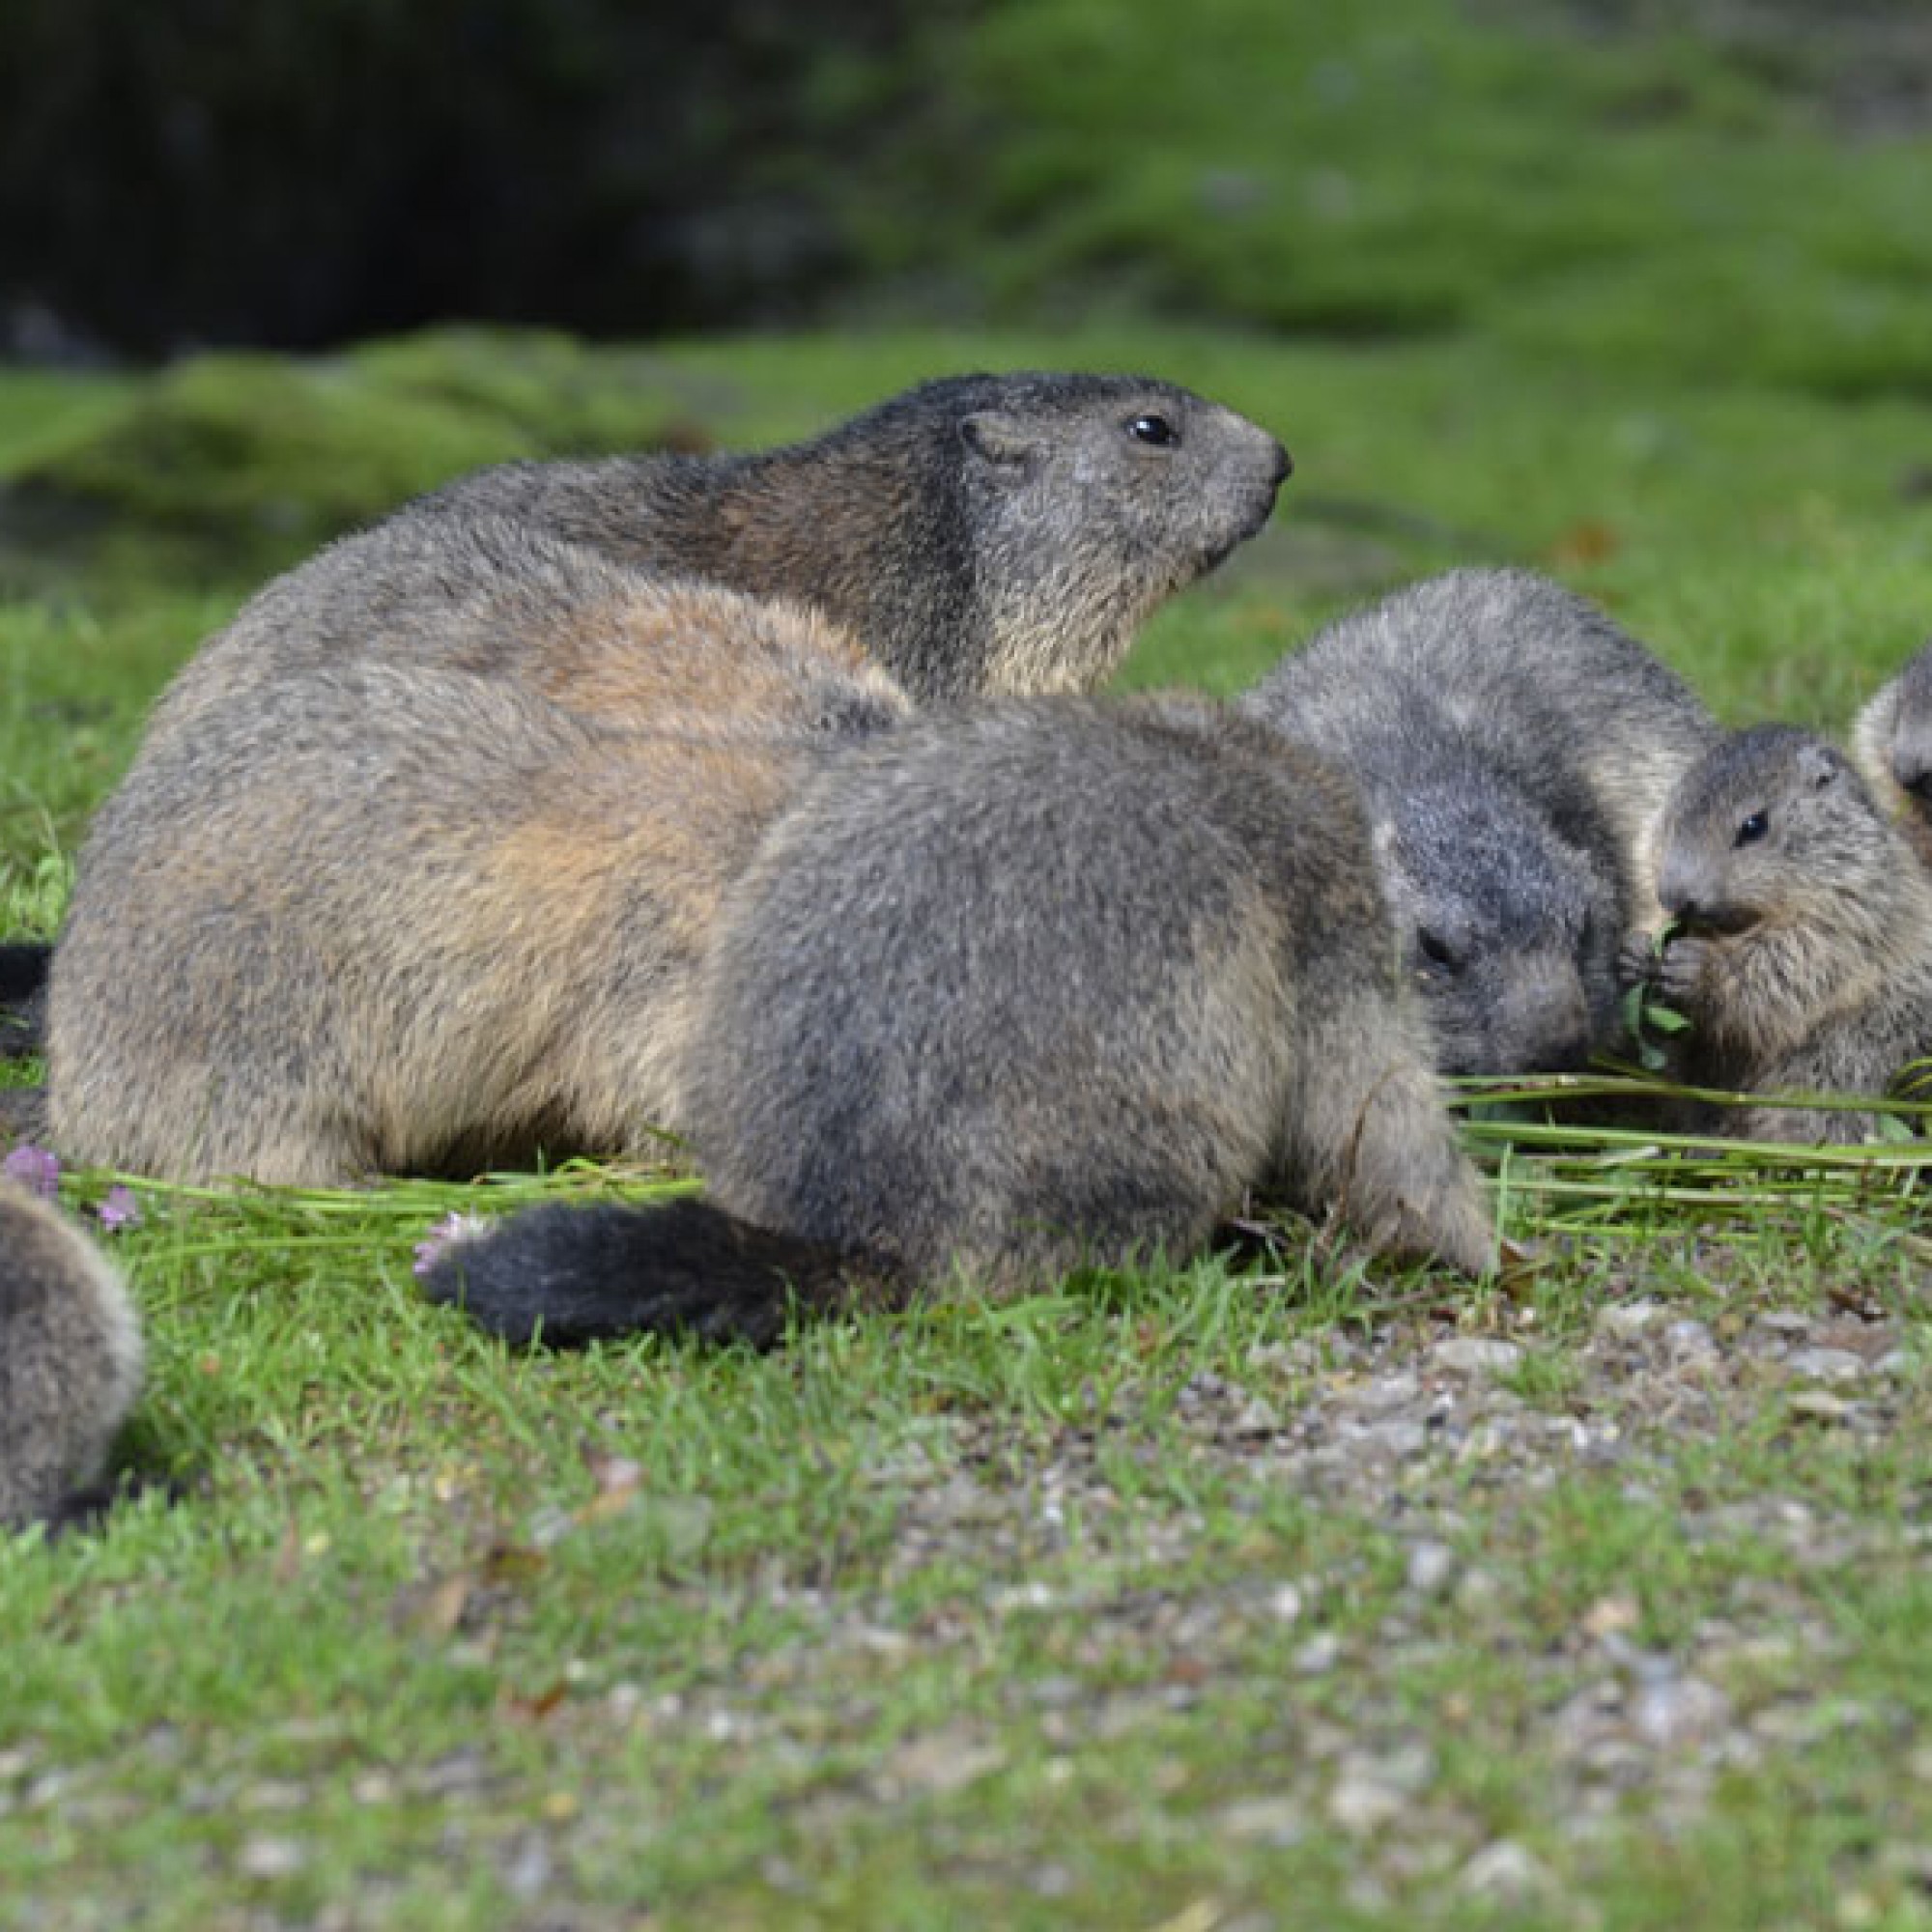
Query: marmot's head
x,y
1074,503
1773,828
1508,931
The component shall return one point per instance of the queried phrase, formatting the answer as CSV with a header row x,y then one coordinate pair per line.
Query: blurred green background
x,y
1710,187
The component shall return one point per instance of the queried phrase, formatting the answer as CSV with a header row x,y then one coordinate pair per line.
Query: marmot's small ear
x,y
1818,765
997,437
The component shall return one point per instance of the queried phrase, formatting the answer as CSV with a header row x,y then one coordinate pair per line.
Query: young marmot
x,y
1804,951
418,858
1039,985
1515,746
70,1362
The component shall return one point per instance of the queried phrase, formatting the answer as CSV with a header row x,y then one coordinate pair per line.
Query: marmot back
x,y
1803,954
1514,748
1044,984
1891,743
70,1360
976,534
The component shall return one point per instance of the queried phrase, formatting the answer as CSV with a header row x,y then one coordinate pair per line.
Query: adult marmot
x,y
417,861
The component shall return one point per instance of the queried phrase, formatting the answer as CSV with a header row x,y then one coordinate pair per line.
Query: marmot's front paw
x,y
1680,971
1637,961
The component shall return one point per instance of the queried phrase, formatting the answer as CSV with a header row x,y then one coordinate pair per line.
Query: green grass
x,y
400,1613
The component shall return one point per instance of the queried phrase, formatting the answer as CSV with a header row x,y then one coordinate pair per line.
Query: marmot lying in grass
x,y
1033,986
1802,956
418,859
70,1362
1515,746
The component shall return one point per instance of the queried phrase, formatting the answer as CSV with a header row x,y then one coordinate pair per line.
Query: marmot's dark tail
x,y
84,1510
569,1275
23,997
23,969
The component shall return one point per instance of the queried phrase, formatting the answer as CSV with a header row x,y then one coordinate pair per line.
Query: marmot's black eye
x,y
1157,430
1751,830
1435,949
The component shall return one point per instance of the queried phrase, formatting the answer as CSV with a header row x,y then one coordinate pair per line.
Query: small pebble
x,y
1319,1655
1267,1820
1674,1711
1285,1604
1430,1566
1385,1392
1625,1319
1689,1337
530,1868
270,1858
1360,1805
1817,1405
1372,1791
1504,1871
1475,1354
1826,1365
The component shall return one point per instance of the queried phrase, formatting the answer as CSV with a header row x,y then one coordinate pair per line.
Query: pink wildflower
x,y
119,1209
34,1168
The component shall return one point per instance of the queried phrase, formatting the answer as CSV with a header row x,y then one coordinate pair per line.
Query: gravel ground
x,y
1422,1434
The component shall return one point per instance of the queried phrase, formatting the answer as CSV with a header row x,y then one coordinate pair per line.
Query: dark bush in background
x,y
294,172
1712,188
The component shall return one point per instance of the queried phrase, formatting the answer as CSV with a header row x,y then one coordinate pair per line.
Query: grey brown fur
x,y
1515,746
421,918
70,1360
1891,743
1804,963
1034,987
418,859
